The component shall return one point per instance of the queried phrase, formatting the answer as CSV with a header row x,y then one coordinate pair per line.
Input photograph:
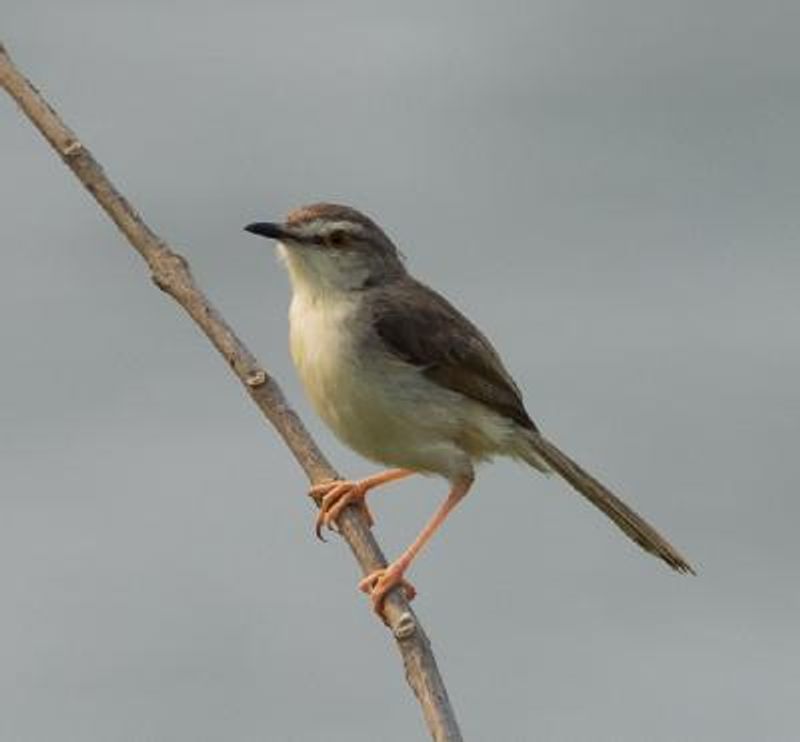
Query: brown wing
x,y
424,329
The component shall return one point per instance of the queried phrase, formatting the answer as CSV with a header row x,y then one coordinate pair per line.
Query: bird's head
x,y
332,248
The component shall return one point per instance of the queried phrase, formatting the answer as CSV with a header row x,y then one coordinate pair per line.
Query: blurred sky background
x,y
609,189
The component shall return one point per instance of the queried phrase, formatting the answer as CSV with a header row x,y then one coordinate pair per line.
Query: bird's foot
x,y
379,583
334,497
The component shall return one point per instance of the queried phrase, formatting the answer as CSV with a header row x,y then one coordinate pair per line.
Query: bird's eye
x,y
337,238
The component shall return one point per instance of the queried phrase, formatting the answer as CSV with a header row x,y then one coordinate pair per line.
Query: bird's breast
x,y
322,343
369,402
378,405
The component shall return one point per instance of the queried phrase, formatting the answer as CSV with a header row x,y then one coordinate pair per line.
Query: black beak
x,y
267,229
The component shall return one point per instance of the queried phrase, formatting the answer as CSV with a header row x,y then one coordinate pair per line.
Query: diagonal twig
x,y
170,272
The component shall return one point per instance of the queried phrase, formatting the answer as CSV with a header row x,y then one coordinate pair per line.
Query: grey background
x,y
610,189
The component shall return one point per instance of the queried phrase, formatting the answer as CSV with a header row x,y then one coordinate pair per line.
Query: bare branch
x,y
171,274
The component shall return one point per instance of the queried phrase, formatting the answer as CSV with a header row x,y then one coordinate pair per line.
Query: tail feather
x,y
636,527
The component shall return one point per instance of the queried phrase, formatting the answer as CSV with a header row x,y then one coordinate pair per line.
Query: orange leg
x,y
380,582
335,496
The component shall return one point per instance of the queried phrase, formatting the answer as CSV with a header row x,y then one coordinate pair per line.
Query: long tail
x,y
632,524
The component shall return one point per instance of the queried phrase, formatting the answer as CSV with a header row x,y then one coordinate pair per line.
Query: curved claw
x,y
381,582
333,498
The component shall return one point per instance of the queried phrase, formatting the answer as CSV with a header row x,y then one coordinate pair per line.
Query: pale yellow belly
x,y
382,408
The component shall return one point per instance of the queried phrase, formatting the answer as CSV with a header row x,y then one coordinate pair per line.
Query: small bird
x,y
406,380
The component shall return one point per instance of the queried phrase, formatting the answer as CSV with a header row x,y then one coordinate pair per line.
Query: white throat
x,y
315,273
